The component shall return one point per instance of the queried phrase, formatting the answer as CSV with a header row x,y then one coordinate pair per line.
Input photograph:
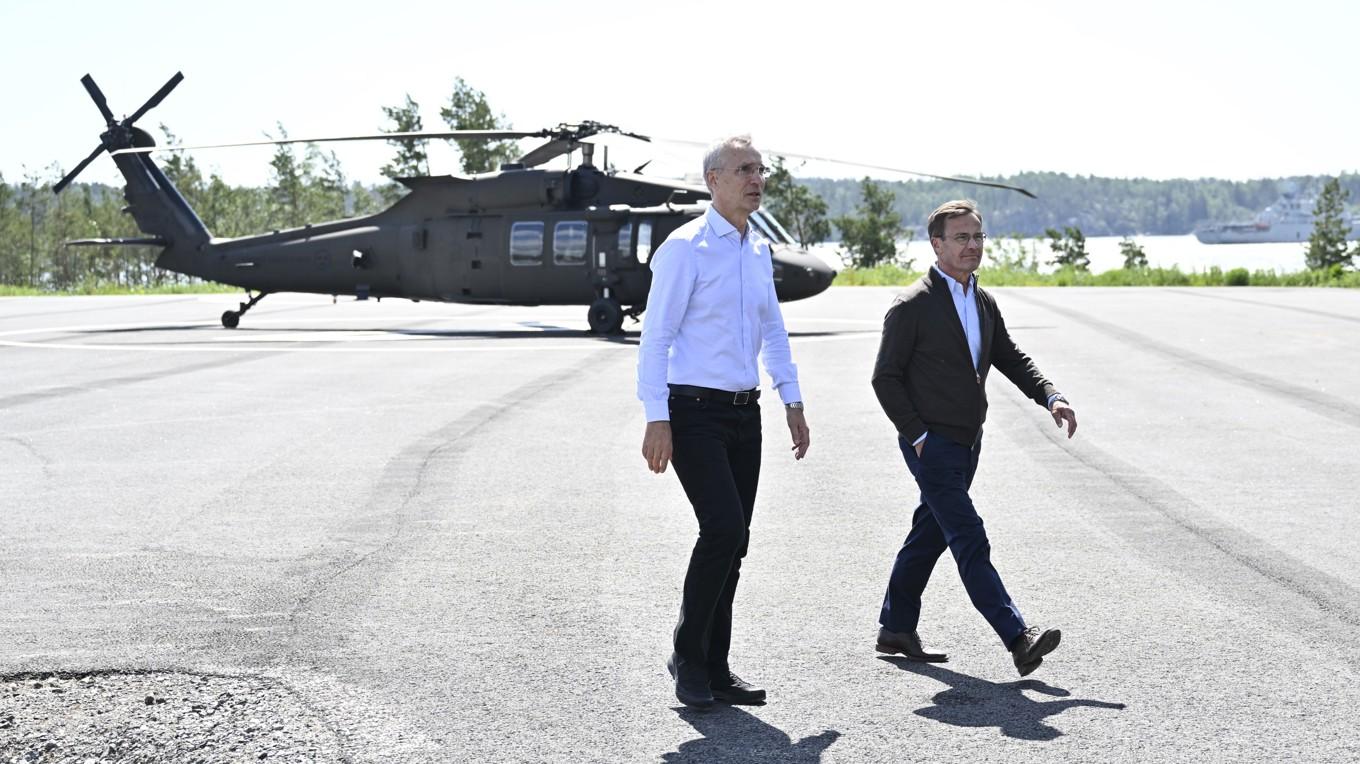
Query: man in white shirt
x,y
710,312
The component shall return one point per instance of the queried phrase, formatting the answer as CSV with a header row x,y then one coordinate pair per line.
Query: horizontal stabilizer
x,y
143,242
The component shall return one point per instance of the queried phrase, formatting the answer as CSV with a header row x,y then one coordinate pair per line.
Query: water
x,y
1184,252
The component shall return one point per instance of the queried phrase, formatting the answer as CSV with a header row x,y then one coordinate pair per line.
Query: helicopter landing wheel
x,y
231,319
606,316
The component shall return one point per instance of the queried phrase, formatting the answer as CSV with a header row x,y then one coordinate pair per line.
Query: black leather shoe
x,y
691,686
1030,647
907,643
734,690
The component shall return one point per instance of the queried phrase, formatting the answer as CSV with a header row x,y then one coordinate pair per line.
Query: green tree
x,y
1069,248
286,186
1327,244
794,205
870,236
182,171
411,158
11,247
1133,254
328,191
468,109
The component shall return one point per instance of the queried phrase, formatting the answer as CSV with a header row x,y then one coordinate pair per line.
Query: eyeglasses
x,y
963,238
751,168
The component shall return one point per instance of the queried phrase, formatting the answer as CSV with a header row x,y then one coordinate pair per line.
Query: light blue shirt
x,y
965,304
711,312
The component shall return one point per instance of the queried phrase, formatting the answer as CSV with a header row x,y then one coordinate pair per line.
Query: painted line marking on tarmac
x,y
369,340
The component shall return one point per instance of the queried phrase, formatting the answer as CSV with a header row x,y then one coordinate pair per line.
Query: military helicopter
x,y
520,236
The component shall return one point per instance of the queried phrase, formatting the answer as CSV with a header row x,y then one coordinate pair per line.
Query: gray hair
x,y
713,159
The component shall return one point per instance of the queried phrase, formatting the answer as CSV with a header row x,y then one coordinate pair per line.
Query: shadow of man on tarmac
x,y
733,735
973,702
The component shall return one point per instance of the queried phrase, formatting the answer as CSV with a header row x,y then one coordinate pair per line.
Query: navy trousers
x,y
946,518
717,458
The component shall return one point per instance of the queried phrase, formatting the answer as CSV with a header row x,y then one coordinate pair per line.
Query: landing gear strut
x,y
606,316
232,318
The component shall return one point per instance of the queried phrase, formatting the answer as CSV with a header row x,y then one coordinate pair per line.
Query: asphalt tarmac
x,y
431,528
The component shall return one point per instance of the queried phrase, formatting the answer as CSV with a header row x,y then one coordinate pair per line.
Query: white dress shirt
x,y
710,312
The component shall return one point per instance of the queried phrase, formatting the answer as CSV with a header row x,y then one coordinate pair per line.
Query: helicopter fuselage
x,y
521,237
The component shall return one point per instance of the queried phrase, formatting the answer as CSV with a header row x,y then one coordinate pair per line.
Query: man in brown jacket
x,y
940,339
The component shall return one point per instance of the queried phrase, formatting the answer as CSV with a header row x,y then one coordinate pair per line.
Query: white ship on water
x,y
1290,218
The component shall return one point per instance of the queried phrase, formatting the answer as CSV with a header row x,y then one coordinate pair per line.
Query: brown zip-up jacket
x,y
924,376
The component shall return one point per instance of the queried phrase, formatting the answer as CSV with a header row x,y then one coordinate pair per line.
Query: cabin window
x,y
644,243
625,239
569,243
526,243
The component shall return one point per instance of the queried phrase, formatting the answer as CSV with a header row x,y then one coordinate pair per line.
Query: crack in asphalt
x,y
44,462
1337,409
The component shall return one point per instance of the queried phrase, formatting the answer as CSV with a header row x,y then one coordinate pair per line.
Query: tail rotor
x,y
119,135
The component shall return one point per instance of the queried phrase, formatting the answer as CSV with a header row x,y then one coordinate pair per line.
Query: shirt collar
x,y
972,279
720,226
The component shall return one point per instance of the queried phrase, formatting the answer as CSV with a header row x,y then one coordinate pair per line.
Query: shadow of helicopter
x,y
973,702
733,735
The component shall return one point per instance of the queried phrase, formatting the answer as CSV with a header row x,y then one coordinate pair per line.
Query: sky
x,y
1148,89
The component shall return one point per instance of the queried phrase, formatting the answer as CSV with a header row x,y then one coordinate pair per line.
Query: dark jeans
x,y
717,458
946,518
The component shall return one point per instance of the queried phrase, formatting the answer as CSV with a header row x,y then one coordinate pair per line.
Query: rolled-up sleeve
x,y
775,352
673,276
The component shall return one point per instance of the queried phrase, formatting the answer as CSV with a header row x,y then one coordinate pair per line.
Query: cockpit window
x,y
770,227
526,243
763,227
625,239
778,227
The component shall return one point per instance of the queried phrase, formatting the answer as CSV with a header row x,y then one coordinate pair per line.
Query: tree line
x,y
869,218
306,185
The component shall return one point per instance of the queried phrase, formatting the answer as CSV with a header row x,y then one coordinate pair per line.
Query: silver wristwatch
x,y
795,406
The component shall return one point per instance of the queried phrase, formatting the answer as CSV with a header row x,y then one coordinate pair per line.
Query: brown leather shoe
x,y
906,643
1028,649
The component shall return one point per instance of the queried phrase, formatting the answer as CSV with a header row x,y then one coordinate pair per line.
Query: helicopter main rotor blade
x,y
883,168
488,135
156,99
951,178
70,176
547,152
97,96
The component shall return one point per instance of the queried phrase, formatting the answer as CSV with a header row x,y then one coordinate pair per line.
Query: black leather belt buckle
x,y
741,398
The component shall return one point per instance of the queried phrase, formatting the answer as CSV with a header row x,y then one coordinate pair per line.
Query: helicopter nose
x,y
800,275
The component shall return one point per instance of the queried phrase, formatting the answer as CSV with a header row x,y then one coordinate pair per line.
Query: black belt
x,y
740,398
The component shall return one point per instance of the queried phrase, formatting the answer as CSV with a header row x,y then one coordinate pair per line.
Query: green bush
x,y
1005,276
